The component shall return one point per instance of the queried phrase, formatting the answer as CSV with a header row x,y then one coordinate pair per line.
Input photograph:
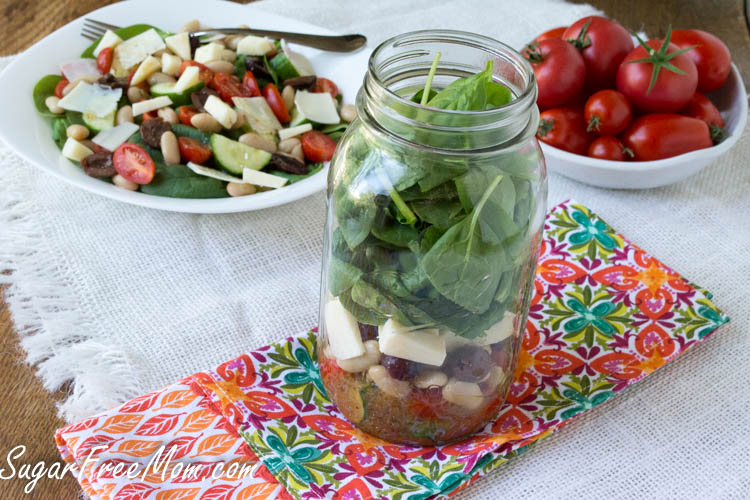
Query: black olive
x,y
152,130
399,368
257,67
301,82
469,363
110,81
98,165
287,163
367,332
200,97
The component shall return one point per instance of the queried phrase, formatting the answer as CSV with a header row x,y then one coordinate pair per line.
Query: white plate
x,y
731,99
30,135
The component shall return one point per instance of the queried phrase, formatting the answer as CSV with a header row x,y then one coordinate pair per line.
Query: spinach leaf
x,y
342,276
125,33
465,94
418,96
314,169
440,213
395,233
497,95
363,314
42,90
497,223
178,181
60,126
271,71
154,153
181,130
335,131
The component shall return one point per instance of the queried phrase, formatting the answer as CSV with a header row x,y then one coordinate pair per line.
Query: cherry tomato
x,y
104,59
326,85
710,55
559,71
251,84
205,74
702,108
317,146
553,33
271,93
607,113
59,88
564,128
228,86
192,150
603,43
609,148
186,113
663,135
133,162
149,115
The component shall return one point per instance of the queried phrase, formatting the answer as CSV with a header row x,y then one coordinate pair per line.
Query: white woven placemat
x,y
122,300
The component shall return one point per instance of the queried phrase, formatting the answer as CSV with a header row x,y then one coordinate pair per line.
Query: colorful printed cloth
x,y
605,314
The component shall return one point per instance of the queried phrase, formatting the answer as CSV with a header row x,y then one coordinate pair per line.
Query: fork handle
x,y
339,43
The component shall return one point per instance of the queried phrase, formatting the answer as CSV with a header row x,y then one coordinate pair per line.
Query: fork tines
x,y
93,29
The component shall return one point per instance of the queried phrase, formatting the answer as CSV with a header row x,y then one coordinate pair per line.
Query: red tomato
x,y
133,162
564,128
271,93
317,146
646,79
702,108
607,113
559,71
149,115
251,84
603,43
326,85
609,148
104,59
663,135
186,113
228,86
205,74
59,88
193,150
553,33
710,55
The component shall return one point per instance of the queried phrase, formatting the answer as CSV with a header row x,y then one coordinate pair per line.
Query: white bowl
x,y
29,134
731,99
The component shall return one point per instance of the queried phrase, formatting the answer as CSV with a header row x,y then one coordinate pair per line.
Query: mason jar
x,y
431,242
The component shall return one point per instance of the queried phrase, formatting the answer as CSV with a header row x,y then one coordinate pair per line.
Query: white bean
x,y
288,145
205,123
169,148
386,383
348,113
232,41
364,361
122,182
159,77
124,115
77,132
169,115
220,67
258,141
136,94
190,26
288,96
430,378
240,189
493,379
53,104
465,394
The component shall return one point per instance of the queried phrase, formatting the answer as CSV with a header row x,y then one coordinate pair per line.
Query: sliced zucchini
x,y
96,123
178,98
297,118
234,156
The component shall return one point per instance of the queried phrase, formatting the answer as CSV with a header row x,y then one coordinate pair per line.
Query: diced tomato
x,y
228,86
251,84
192,150
104,59
326,85
149,115
133,162
99,149
317,146
271,93
59,88
186,113
205,74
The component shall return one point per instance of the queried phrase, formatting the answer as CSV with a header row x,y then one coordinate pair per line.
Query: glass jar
x,y
431,242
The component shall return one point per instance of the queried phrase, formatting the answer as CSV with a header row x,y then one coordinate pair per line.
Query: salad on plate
x,y
180,116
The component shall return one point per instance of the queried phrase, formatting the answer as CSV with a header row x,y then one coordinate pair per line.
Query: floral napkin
x,y
605,314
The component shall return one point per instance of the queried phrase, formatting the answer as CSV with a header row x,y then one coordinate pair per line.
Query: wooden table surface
x,y
28,411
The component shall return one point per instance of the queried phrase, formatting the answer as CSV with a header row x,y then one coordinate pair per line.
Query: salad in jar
x,y
181,116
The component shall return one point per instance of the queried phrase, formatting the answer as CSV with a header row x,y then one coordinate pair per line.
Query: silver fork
x,y
93,29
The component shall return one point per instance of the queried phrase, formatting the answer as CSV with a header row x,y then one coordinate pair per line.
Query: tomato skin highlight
x,y
186,113
553,33
133,163
271,93
194,151
608,148
205,74
60,87
711,57
565,129
609,43
607,112
671,92
251,84
104,59
663,135
228,86
326,85
559,70
702,108
317,146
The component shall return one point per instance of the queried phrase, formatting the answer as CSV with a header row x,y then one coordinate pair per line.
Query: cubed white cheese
x,y
88,98
258,114
170,64
189,78
111,138
317,107
342,331
179,44
228,55
254,46
286,133
134,50
212,172
221,111
210,52
499,331
262,179
466,394
151,104
74,150
423,346
148,67
110,39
